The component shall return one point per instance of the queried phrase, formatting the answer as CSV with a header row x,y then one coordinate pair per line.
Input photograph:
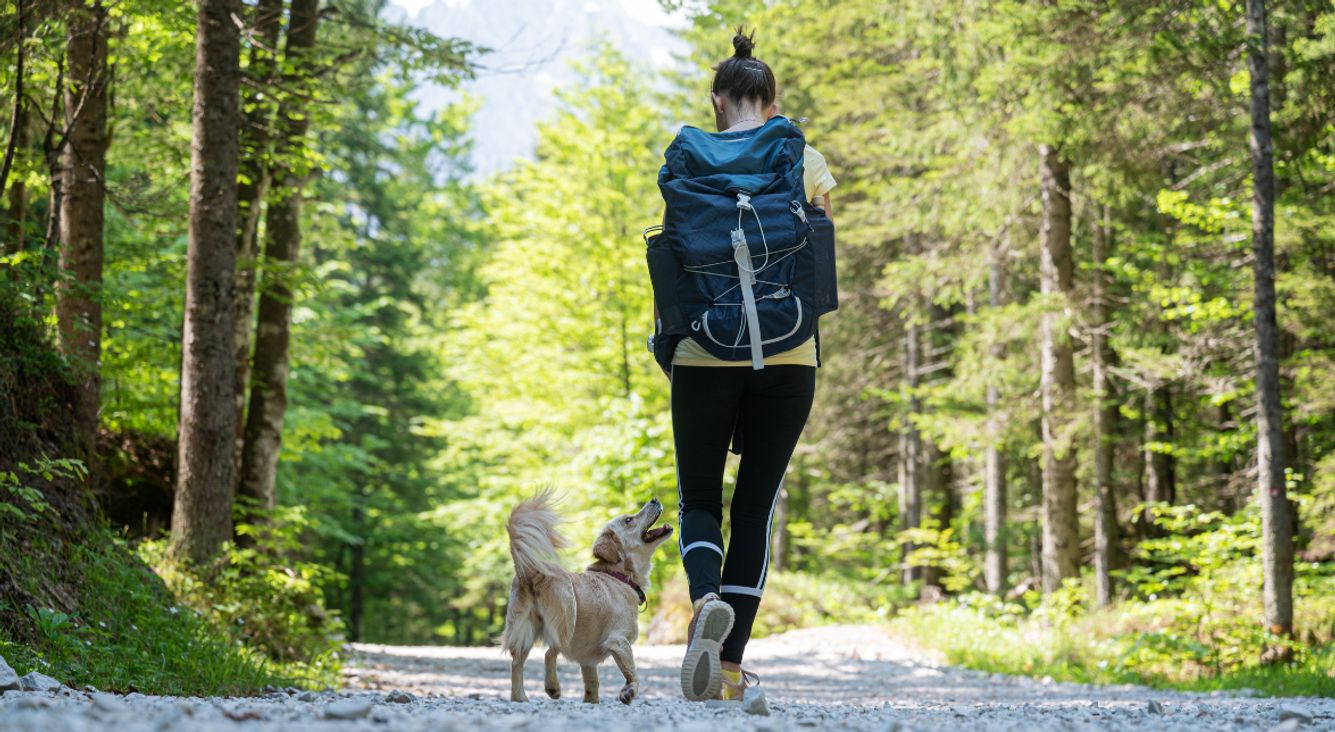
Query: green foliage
x,y
127,633
266,602
1192,623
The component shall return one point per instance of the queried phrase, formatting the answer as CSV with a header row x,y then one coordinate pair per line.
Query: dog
x,y
584,616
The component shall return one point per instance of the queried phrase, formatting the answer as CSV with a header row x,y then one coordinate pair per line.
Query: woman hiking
x,y
766,400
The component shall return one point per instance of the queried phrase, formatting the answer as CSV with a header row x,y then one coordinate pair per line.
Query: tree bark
x,y
83,177
202,515
1105,416
18,123
282,223
994,459
1276,519
16,226
1160,478
253,184
1061,547
910,452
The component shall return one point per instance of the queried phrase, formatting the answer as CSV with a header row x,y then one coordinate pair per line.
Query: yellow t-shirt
x,y
817,180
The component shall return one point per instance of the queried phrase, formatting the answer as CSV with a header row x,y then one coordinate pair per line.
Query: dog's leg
x,y
551,684
517,658
590,674
620,650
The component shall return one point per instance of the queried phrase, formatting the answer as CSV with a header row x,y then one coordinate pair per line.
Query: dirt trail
x,y
834,678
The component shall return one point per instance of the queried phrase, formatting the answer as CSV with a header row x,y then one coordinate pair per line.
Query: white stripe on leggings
x,y
698,544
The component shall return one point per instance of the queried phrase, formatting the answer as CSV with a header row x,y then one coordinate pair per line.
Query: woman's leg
x,y
705,400
773,413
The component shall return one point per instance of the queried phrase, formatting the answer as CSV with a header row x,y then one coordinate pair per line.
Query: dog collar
x,y
623,578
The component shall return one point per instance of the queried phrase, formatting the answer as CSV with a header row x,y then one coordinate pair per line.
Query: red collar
x,y
623,578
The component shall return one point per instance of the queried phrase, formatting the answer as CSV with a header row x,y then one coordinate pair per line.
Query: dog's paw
x,y
553,691
590,698
627,693
518,697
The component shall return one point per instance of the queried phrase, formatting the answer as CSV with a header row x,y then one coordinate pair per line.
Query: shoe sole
x,y
701,670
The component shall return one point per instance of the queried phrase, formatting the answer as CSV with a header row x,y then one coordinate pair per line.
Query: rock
x,y
308,696
399,696
9,678
37,681
753,702
1247,693
348,709
1287,713
1288,725
108,703
32,702
1154,707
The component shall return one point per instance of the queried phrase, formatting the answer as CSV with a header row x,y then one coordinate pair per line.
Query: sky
x,y
533,43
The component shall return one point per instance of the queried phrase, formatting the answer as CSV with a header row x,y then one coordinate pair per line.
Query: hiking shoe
x,y
701,670
735,684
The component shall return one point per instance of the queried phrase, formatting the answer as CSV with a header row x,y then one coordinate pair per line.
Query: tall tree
x,y
1105,415
911,461
257,117
1276,514
83,177
1061,546
282,241
202,515
994,458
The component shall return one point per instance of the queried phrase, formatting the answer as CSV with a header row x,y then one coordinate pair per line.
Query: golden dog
x,y
585,616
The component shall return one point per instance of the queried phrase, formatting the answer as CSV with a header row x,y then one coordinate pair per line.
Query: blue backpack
x,y
743,263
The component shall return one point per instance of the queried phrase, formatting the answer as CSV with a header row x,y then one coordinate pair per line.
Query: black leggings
x,y
770,406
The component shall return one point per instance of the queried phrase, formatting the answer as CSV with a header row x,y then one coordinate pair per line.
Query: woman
x,y
710,399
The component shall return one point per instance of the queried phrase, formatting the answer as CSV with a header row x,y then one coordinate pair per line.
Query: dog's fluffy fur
x,y
584,616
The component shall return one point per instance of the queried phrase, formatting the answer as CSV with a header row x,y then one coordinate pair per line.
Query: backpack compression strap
x,y
747,276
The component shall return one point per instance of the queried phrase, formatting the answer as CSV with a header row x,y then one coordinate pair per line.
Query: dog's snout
x,y
654,501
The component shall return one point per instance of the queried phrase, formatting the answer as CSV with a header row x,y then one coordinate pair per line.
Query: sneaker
x,y
701,670
735,684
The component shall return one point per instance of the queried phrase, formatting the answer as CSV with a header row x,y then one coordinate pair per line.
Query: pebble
x,y
1286,714
1154,707
399,696
753,702
351,708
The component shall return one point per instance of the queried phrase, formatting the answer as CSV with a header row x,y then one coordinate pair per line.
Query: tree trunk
x,y
1105,416
910,452
202,516
253,184
17,213
83,163
357,572
282,223
1276,519
18,139
1160,478
994,459
1061,546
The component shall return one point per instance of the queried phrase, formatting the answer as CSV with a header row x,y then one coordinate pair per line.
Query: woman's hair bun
x,y
742,43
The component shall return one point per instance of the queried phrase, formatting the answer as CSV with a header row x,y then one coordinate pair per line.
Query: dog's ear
x,y
608,547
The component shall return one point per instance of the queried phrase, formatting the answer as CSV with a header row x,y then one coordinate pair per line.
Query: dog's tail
x,y
534,537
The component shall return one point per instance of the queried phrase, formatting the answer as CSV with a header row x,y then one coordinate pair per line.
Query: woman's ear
x,y
773,110
607,547
717,101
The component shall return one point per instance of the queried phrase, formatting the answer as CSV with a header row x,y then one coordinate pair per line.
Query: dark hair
x,y
742,76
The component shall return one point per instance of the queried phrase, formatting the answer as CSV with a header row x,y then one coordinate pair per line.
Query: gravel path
x,y
835,678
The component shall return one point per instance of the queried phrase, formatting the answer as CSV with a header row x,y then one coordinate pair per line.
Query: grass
x,y
1097,648
128,634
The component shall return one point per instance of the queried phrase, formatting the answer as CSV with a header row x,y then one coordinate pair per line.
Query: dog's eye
x,y
628,520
